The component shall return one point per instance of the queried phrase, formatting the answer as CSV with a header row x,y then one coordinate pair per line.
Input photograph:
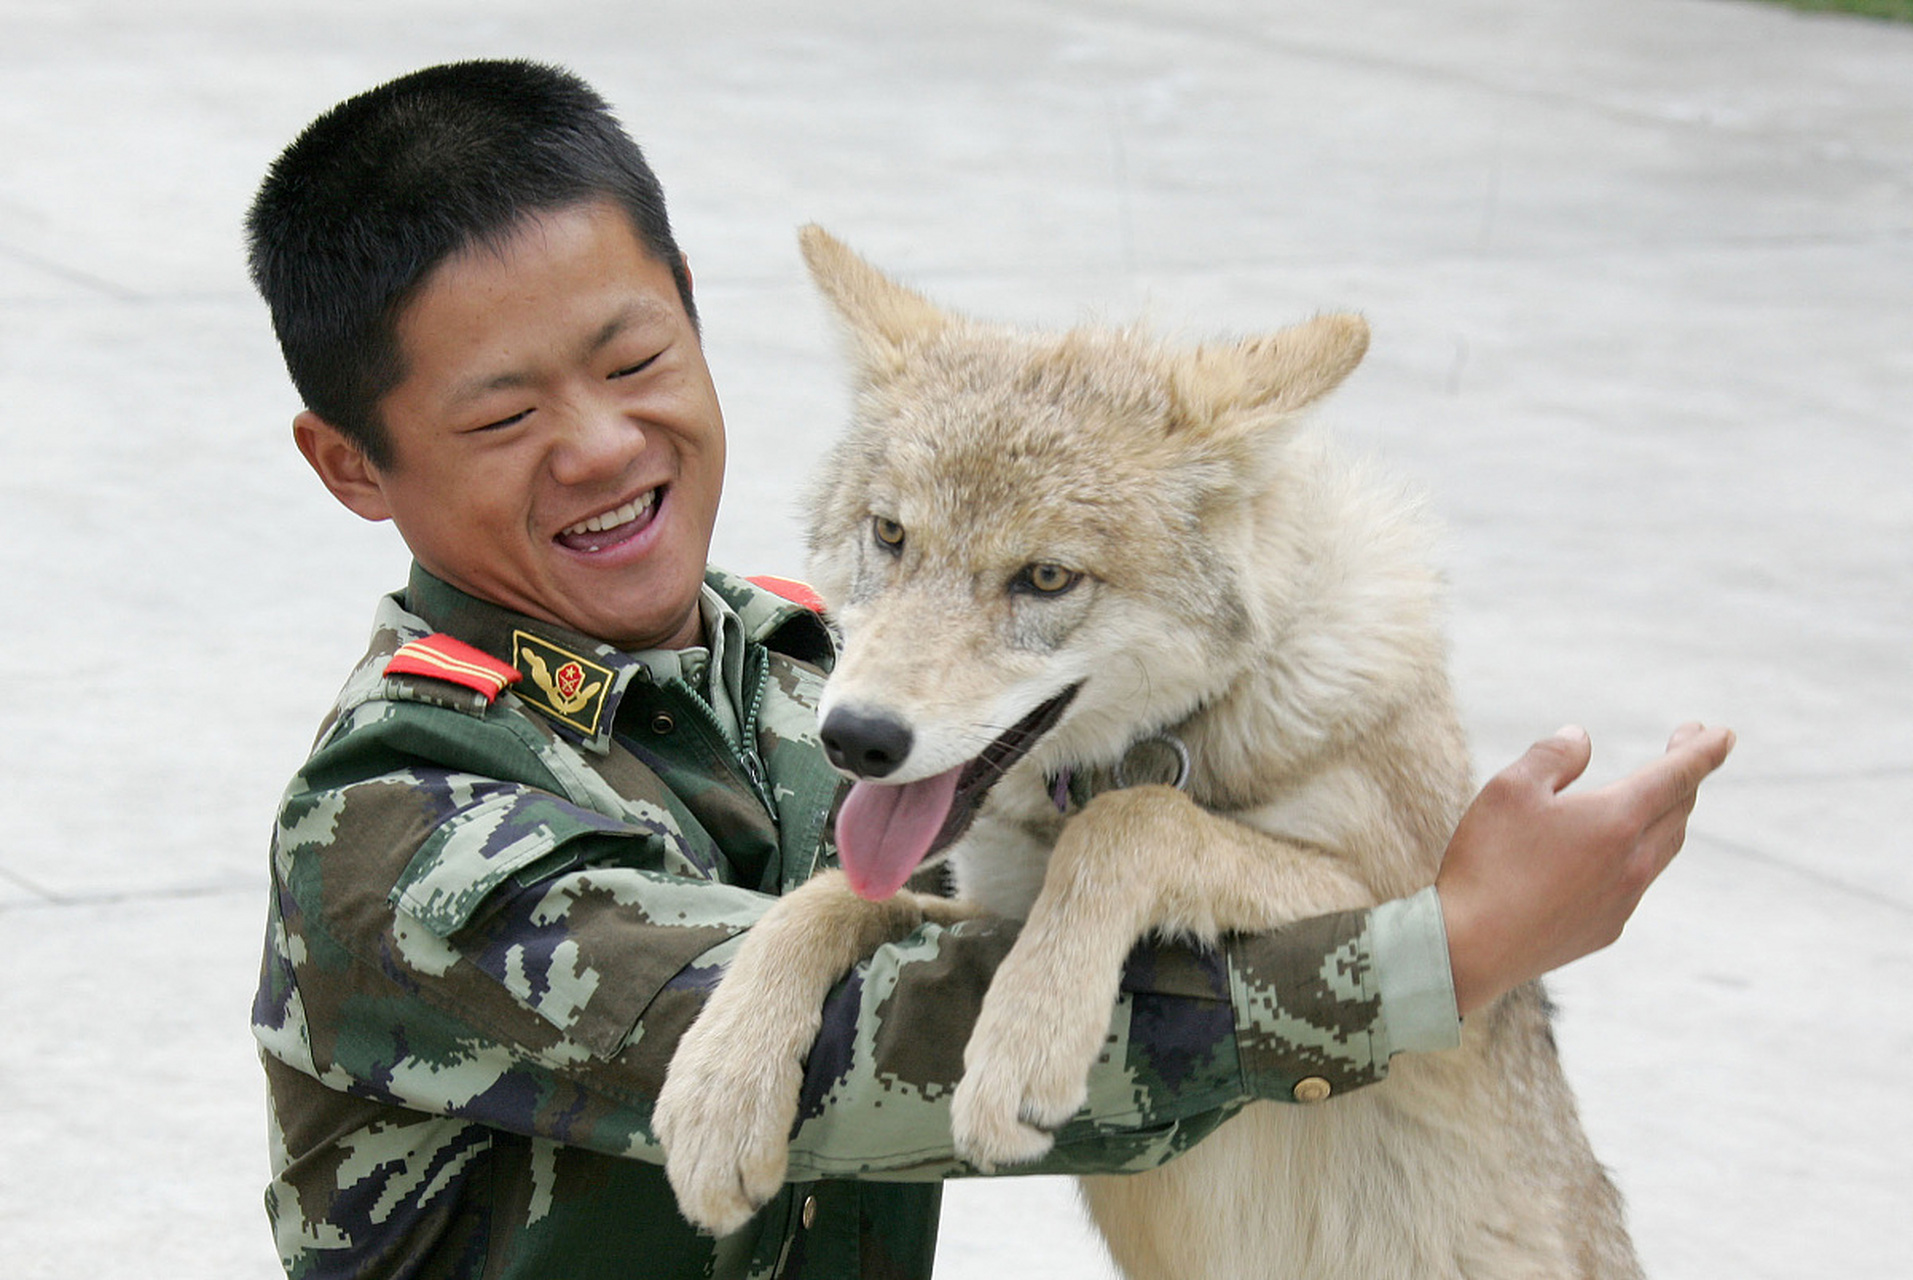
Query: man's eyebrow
x,y
634,313
637,311
612,328
479,388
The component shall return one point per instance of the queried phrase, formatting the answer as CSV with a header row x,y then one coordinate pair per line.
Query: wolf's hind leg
x,y
1134,860
730,1096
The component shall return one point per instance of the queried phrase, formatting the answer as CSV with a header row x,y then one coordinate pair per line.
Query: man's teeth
x,y
612,519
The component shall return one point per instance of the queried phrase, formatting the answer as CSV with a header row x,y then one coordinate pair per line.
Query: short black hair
x,y
379,190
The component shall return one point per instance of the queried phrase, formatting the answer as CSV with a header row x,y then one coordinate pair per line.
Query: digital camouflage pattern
x,y
492,919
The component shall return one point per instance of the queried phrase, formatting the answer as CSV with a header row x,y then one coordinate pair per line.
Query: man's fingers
x,y
1554,762
1693,758
1662,840
1670,783
1685,733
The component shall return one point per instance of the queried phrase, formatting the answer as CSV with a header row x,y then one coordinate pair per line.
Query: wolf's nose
x,y
870,746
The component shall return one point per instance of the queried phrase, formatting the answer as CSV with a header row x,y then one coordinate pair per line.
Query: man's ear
x,y
342,466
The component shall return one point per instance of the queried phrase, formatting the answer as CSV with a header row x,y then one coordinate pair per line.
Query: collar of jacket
x,y
576,681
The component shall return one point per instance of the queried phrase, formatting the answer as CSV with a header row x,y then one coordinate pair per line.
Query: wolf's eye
x,y
889,533
1046,579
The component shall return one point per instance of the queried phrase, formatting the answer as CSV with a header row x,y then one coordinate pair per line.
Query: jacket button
x,y
1312,1089
810,1211
661,722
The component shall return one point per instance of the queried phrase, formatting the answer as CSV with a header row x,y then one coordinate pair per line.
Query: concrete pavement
x,y
1639,277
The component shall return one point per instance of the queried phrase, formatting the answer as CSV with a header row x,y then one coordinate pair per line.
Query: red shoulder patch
x,y
443,657
792,590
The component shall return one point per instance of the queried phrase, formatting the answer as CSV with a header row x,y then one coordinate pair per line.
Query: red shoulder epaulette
x,y
444,657
792,590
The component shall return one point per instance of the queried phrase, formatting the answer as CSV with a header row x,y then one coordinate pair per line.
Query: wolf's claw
x,y
1026,1067
722,1171
995,1123
724,1122
1018,1089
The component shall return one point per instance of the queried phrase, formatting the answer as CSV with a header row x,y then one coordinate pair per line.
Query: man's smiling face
x,y
556,444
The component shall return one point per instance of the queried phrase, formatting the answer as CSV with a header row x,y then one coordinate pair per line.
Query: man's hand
x,y
1535,878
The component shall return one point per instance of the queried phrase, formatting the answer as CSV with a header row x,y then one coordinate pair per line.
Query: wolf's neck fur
x,y
1346,611
1344,644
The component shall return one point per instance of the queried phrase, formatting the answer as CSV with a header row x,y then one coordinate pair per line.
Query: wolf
x,y
1094,555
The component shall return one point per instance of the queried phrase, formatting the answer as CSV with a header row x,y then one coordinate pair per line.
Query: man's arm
x,y
1536,877
467,946
1533,879
551,1004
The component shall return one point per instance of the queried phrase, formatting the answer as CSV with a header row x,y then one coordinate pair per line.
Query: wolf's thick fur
x,y
1227,579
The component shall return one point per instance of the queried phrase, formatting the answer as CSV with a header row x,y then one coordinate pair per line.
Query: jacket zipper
x,y
747,730
750,764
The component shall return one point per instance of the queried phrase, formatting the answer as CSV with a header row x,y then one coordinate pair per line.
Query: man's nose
x,y
594,439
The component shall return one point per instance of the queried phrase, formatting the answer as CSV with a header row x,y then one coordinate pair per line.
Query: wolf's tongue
x,y
883,832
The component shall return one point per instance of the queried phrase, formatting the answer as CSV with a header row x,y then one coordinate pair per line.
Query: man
x,y
576,765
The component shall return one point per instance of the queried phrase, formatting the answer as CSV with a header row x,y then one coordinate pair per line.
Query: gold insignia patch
x,y
568,686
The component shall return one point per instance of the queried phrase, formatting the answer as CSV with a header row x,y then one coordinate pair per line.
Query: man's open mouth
x,y
885,831
609,528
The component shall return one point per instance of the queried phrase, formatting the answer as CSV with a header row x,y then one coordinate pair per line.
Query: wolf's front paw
x,y
1021,1082
724,1129
994,1124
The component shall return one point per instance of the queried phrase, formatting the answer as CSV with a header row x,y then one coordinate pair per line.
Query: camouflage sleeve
x,y
456,944
1413,977
453,942
1195,1036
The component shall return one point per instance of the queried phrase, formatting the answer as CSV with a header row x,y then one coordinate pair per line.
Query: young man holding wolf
x,y
577,763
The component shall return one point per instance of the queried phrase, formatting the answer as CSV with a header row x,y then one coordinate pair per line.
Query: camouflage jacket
x,y
492,917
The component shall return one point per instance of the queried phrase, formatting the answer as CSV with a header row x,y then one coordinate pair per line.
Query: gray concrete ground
x,y
1639,274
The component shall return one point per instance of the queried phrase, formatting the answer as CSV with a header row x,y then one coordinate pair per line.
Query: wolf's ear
x,y
1271,376
883,317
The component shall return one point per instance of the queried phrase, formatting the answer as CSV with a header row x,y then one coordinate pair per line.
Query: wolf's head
x,y
1038,545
